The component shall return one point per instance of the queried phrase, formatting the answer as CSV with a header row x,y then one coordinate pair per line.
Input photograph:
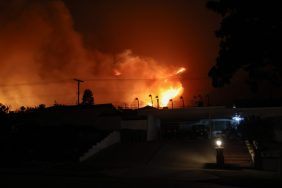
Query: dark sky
x,y
179,32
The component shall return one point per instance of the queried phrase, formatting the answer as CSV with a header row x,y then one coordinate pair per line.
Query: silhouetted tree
x,y
22,109
41,106
4,109
87,98
250,39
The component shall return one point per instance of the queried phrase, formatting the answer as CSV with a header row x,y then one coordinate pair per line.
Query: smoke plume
x,y
41,54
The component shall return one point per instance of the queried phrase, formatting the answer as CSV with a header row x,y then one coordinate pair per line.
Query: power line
x,y
141,79
97,79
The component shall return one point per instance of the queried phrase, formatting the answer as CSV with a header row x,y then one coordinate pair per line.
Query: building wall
x,y
278,135
140,124
153,130
184,114
107,123
80,118
149,126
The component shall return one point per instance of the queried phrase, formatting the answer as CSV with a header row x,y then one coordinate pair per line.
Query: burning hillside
x,y
41,53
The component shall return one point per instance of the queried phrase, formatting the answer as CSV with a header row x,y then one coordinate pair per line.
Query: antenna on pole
x,y
78,89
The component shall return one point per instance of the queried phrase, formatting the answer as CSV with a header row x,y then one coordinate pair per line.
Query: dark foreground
x,y
173,178
171,163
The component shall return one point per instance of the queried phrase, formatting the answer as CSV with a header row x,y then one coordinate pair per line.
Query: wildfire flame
x,y
117,73
163,91
26,56
181,70
170,93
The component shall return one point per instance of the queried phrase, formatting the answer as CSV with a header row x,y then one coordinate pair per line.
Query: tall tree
x,y
250,39
87,98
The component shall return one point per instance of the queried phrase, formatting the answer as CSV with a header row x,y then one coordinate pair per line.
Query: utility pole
x,y
78,89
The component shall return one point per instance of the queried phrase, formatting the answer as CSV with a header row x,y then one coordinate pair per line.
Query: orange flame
x,y
166,93
141,77
170,93
117,73
181,70
163,90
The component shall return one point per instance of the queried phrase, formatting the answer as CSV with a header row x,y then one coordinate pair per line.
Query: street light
x,y
237,118
171,103
137,102
219,152
218,143
181,98
151,99
158,104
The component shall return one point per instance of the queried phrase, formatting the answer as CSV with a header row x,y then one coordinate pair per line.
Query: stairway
x,y
111,139
236,153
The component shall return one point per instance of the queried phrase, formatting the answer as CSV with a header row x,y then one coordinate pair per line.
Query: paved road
x,y
165,158
156,159
184,153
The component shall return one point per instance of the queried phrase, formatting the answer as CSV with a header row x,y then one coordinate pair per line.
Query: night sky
x,y
54,41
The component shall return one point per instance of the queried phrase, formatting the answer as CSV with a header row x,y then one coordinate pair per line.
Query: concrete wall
x,y
151,125
107,122
196,113
111,139
270,164
278,135
80,118
153,128
140,124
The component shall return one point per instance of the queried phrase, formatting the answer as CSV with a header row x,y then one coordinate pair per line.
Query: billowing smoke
x,y
40,54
